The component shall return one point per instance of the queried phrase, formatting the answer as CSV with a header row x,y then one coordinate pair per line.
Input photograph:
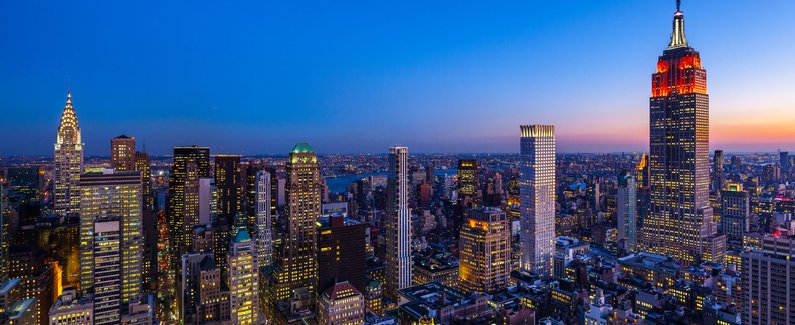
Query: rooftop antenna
x,y
678,4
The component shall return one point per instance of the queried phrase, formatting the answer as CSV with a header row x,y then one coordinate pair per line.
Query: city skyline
x,y
481,60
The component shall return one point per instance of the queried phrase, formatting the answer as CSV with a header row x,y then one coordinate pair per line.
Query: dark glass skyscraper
x,y
199,160
680,223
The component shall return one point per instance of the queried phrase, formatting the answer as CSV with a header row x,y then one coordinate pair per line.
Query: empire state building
x,y
680,223
68,162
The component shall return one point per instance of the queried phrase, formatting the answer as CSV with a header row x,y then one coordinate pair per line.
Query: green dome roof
x,y
302,147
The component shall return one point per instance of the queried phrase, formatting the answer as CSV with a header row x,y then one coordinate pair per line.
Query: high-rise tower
x,y
115,194
297,264
199,159
68,162
227,180
398,223
263,212
537,198
680,221
122,153
717,172
626,209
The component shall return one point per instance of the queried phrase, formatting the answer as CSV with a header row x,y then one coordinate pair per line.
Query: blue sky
x,y
359,76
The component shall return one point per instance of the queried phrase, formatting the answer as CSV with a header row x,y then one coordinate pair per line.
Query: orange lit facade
x,y
485,246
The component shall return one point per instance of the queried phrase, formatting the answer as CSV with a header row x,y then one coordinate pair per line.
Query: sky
x,y
360,76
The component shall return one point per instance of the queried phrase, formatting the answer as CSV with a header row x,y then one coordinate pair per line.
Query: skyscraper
x,y
680,222
68,162
342,252
768,282
398,223
537,198
227,181
116,194
107,264
717,172
642,170
200,158
735,212
122,153
263,213
144,165
783,158
243,279
297,266
468,188
485,250
626,209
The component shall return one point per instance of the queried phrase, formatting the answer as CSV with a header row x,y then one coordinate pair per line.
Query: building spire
x,y
678,35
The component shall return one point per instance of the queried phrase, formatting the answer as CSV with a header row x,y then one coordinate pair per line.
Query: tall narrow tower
x,y
298,264
537,198
680,222
398,223
263,213
68,162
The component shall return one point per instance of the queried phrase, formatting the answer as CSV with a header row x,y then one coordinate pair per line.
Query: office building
x,y
116,194
341,252
735,212
69,309
144,165
295,269
537,198
783,158
397,225
183,218
485,251
228,184
768,281
341,303
243,279
626,209
717,172
107,269
122,153
68,162
468,187
680,223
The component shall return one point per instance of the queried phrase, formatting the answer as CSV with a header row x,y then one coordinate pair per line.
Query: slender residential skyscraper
x,y
537,198
122,153
68,162
118,195
680,222
263,212
398,223
626,209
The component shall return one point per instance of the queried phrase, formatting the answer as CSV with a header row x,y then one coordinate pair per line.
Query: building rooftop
x,y
302,147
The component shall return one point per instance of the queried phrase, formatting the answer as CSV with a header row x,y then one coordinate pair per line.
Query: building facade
x,y
122,153
180,216
485,251
243,279
537,198
112,194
